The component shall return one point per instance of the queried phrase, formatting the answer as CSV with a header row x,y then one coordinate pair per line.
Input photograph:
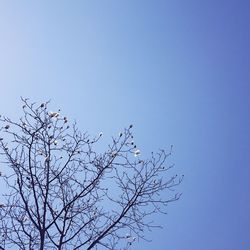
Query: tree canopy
x,y
61,193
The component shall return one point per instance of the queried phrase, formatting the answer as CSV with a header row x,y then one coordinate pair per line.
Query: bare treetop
x,y
63,194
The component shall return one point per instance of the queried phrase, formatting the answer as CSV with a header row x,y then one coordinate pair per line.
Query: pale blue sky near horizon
x,y
177,70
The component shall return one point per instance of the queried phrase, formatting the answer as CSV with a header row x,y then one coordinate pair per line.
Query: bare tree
x,y
61,194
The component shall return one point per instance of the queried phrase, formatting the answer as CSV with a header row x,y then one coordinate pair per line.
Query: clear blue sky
x,y
177,70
